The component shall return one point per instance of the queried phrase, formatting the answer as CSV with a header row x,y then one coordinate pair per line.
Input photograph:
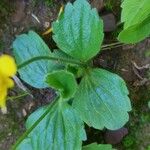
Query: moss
x,y
129,141
148,148
139,127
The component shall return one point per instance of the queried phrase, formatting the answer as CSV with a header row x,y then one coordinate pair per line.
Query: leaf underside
x,y
62,81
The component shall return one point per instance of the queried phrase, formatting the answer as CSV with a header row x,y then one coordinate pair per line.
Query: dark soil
x,y
129,61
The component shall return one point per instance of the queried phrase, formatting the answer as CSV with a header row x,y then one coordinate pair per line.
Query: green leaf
x,y
102,100
27,46
64,82
136,33
79,31
95,146
61,129
136,18
134,11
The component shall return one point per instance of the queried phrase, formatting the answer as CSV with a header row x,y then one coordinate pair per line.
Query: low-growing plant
x,y
129,141
85,94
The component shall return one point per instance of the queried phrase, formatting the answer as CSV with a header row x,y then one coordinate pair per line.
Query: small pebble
x,y
46,24
24,112
109,22
115,137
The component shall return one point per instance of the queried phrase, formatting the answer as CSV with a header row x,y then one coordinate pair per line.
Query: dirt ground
x,y
129,61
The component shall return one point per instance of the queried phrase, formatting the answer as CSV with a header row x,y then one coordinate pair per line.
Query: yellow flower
x,y
7,70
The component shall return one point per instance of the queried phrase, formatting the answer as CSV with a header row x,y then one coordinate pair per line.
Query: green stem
x,y
33,126
111,45
64,60
50,58
17,97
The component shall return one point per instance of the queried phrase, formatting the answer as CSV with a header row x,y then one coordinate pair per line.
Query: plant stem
x,y
109,48
112,45
33,126
18,96
62,60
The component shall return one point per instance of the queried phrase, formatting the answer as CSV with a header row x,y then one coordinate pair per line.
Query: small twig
x,y
147,66
137,73
136,68
36,18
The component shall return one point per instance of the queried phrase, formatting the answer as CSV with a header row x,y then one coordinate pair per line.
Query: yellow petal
x,y
7,66
9,83
3,94
6,82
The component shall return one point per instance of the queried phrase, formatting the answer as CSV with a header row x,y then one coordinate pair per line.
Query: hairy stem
x,y
61,60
